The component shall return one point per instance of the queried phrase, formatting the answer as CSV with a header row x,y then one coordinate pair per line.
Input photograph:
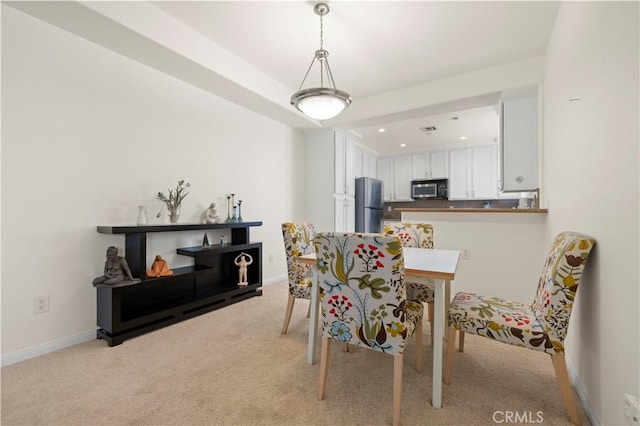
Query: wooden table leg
x,y
438,327
313,323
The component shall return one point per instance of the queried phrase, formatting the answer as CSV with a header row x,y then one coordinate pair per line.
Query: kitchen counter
x,y
468,210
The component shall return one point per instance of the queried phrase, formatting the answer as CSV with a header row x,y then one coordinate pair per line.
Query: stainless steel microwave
x,y
434,188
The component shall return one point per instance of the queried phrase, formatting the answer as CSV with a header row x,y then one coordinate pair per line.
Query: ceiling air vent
x,y
428,130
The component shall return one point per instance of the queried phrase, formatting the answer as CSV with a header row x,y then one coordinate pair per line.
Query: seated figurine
x,y
116,269
159,268
210,214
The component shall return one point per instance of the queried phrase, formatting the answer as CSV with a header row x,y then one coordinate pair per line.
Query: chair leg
x,y
461,342
324,366
309,309
287,315
418,334
397,388
560,367
430,313
448,360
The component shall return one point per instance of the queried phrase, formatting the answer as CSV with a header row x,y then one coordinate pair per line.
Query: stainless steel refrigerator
x,y
369,205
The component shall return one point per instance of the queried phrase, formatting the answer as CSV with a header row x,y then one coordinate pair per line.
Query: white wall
x,y
87,136
591,168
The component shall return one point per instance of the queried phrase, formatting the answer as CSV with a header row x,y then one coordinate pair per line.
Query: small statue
x,y
242,262
159,268
116,269
210,214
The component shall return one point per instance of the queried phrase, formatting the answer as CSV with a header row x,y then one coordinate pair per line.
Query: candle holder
x,y
228,208
239,211
234,217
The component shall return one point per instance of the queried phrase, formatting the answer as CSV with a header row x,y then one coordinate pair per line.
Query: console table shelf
x,y
131,309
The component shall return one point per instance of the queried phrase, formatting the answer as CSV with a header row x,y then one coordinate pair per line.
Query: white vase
x,y
142,216
174,215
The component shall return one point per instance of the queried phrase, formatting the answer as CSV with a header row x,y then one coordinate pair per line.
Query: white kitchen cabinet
x,y
430,165
369,164
484,166
357,162
473,173
402,175
439,165
396,174
328,172
344,164
420,166
519,140
364,163
385,174
344,213
459,174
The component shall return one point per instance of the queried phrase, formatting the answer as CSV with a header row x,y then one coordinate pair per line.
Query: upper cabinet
x,y
364,163
460,176
420,166
484,172
430,165
474,173
519,141
396,174
385,174
402,178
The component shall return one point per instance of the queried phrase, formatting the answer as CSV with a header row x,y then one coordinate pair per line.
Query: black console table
x,y
126,311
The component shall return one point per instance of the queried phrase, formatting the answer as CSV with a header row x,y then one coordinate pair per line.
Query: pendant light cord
x,y
322,62
321,31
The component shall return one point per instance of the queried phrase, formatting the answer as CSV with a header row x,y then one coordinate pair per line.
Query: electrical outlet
x,y
270,258
40,304
631,409
466,254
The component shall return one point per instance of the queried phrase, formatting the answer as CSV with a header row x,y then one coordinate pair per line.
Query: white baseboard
x,y
45,348
581,393
275,279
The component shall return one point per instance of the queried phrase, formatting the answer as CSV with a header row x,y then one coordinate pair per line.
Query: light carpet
x,y
233,367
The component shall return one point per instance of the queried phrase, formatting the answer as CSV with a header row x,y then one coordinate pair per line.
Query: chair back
x,y
411,234
558,284
298,241
362,290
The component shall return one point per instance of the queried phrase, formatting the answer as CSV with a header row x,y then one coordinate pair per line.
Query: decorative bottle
x,y
142,216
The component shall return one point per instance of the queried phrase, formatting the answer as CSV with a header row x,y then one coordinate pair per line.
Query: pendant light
x,y
321,103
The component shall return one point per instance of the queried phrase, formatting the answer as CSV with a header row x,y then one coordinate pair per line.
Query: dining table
x,y
424,266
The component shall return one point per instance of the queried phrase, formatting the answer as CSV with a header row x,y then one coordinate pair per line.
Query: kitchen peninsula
x,y
502,248
393,210
471,210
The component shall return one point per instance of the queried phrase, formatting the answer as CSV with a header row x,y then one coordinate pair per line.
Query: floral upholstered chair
x,y
363,301
542,325
416,235
298,241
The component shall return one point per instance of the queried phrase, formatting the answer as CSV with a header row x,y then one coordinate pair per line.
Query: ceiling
x,y
377,47
379,51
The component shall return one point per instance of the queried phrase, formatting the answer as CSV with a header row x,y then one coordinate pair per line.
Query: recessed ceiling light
x,y
402,145
463,137
381,130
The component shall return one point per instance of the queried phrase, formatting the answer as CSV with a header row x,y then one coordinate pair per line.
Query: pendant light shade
x,y
321,103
